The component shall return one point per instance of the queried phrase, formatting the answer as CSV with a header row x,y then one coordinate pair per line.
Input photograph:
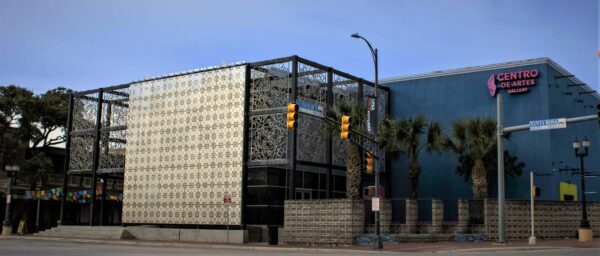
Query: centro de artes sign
x,y
513,82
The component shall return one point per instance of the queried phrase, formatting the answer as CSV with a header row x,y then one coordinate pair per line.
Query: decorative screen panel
x,y
184,149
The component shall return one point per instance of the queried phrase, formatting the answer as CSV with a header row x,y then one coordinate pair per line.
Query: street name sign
x,y
556,123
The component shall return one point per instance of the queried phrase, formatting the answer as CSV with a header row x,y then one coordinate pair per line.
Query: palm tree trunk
x,y
353,172
414,172
479,178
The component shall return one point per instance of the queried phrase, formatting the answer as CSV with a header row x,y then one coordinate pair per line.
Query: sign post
x,y
532,191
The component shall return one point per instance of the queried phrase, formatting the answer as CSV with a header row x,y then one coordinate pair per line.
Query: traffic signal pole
x,y
501,131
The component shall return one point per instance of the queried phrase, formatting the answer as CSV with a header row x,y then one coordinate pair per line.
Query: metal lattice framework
x,y
96,138
274,83
98,120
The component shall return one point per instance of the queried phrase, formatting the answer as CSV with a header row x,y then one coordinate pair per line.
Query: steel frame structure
x,y
97,125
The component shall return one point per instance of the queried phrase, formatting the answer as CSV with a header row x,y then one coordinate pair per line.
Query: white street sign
x,y
375,204
538,125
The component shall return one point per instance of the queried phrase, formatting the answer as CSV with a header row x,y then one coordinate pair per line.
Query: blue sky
x,y
89,44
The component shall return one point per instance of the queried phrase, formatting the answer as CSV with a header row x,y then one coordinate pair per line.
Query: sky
x,y
89,44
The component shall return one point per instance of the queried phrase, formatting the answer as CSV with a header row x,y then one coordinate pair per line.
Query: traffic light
x,y
292,116
536,191
369,162
345,133
371,191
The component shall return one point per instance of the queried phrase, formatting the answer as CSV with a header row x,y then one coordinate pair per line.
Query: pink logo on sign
x,y
492,85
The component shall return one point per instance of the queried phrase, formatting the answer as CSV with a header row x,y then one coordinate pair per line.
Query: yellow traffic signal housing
x,y
369,163
535,191
345,133
292,115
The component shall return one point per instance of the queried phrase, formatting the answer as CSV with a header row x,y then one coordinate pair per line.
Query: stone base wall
x,y
385,216
323,221
553,219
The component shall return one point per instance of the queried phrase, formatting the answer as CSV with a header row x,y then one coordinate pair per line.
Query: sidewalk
x,y
403,247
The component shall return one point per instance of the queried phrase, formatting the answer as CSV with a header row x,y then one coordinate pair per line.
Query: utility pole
x,y
499,135
532,239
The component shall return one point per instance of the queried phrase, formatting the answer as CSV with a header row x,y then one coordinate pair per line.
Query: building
x,y
532,89
209,147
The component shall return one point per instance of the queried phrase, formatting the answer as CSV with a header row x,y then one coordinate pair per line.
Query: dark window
x,y
277,177
265,195
264,215
257,176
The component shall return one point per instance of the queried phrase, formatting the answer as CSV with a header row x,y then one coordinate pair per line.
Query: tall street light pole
x,y
585,230
377,243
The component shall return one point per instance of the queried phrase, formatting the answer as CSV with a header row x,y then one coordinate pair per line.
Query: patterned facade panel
x,y
268,137
84,112
112,149
312,84
270,86
81,152
184,149
114,107
312,141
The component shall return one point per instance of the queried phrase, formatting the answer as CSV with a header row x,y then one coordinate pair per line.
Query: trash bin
x,y
272,235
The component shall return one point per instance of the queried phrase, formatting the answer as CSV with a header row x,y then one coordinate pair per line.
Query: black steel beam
x,y
103,130
292,133
118,93
329,145
115,102
271,61
245,144
67,162
113,128
110,170
96,155
267,163
268,111
321,165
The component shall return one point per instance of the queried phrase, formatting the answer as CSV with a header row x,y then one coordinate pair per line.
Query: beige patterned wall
x,y
184,149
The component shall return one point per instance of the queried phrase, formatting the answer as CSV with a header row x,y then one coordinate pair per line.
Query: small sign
x,y
8,197
310,108
538,125
371,115
375,204
227,199
4,185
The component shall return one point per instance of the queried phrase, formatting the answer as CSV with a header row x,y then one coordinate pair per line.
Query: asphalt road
x,y
64,248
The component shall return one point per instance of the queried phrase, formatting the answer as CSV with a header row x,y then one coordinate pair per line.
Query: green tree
x,y
512,166
473,140
52,109
410,137
357,122
17,114
26,124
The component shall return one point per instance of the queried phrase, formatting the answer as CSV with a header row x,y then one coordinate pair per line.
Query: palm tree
x,y
474,138
357,122
406,136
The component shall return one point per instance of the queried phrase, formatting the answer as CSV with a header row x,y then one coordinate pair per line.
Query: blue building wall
x,y
452,97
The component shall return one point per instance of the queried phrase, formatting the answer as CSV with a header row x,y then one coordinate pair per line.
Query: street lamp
x,y
11,171
377,243
585,230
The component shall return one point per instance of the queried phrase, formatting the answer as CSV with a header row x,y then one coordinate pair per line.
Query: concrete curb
x,y
191,245
508,248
